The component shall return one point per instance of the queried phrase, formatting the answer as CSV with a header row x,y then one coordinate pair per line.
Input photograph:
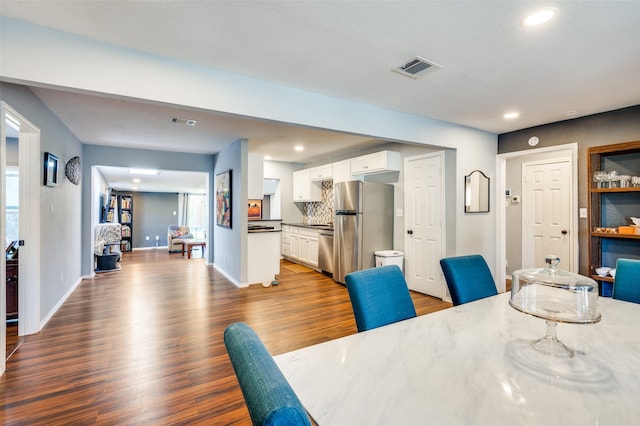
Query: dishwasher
x,y
325,252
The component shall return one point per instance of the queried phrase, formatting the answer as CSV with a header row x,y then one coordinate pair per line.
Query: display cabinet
x,y
614,197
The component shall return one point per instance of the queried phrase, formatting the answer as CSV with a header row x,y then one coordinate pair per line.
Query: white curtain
x,y
184,205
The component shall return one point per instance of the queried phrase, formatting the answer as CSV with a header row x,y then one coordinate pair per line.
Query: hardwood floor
x,y
144,345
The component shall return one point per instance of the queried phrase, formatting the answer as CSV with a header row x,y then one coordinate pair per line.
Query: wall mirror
x,y
476,192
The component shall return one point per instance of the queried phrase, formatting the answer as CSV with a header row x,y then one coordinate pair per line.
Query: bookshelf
x,y
125,204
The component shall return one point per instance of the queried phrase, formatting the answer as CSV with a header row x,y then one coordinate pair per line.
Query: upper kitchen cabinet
x,y
342,171
378,162
321,173
304,189
255,177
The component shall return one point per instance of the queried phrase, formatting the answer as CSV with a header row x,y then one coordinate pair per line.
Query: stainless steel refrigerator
x,y
363,224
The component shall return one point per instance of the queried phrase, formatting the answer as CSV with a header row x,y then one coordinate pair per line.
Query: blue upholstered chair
x,y
468,278
269,397
379,296
626,285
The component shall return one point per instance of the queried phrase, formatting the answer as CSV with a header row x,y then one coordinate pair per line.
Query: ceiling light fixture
x,y
538,18
267,157
511,115
136,180
299,148
149,172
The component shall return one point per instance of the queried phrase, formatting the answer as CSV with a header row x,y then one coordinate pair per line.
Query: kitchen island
x,y
263,254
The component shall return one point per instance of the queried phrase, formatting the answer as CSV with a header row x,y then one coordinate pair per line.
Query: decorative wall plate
x,y
72,170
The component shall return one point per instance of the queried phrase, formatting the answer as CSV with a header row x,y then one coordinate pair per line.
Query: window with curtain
x,y
12,203
192,213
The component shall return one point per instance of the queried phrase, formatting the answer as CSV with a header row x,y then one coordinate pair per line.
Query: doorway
x,y
510,216
424,222
28,167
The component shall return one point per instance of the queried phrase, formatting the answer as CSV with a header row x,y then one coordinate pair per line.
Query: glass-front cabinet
x,y
614,203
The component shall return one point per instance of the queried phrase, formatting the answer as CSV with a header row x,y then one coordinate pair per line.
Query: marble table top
x,y
473,365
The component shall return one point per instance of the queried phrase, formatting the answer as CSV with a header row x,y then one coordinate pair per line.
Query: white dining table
x,y
473,364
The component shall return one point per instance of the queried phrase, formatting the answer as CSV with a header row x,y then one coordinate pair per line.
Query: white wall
x,y
37,55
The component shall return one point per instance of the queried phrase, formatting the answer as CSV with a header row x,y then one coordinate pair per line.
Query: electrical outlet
x,y
147,238
157,237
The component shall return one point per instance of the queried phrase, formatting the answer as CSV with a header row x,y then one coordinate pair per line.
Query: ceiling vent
x,y
417,68
186,121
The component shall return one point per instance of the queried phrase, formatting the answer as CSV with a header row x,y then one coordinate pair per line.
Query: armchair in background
x,y
175,235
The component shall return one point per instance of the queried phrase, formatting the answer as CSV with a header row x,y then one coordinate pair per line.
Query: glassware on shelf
x,y
624,181
555,296
635,181
599,178
612,179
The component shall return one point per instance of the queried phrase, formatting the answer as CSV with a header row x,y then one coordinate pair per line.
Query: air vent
x,y
186,121
417,68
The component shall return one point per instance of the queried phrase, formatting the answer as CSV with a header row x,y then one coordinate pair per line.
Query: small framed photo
x,y
50,169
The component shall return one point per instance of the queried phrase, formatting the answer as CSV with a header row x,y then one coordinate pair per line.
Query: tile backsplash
x,y
320,212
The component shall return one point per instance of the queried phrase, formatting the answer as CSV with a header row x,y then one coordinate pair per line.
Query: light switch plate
x,y
583,213
399,212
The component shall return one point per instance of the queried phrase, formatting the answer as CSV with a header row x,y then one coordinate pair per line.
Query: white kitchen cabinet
x,y
255,177
308,246
342,171
304,189
293,246
321,173
285,242
378,162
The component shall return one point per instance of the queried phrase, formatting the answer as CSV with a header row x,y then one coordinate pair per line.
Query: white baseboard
x,y
63,299
229,277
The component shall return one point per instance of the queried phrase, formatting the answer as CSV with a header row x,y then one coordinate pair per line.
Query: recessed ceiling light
x,y
299,148
511,115
267,157
538,18
136,180
569,113
150,172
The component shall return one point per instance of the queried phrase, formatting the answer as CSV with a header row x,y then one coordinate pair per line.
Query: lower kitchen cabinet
x,y
300,244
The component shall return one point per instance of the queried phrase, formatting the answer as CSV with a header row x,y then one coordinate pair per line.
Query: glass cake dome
x,y
555,296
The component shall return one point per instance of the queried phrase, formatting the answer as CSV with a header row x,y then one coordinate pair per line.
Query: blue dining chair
x,y
626,284
379,296
468,278
269,397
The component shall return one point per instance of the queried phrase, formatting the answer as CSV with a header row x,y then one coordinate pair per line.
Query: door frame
x,y
441,155
501,205
30,172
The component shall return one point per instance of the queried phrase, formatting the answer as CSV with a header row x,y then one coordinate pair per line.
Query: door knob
x,y
565,232
410,231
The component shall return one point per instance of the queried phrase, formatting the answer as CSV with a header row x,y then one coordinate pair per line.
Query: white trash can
x,y
389,257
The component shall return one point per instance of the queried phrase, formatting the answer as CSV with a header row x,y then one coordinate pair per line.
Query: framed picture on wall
x,y
223,199
50,169
255,209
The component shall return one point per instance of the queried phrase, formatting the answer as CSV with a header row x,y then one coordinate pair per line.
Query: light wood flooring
x,y
143,345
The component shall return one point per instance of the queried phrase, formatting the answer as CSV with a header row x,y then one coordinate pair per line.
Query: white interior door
x,y
424,223
547,206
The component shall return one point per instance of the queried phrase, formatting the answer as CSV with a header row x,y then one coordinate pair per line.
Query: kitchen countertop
x,y
321,227
258,231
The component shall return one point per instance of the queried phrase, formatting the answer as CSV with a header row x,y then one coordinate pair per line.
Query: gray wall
x,y
95,155
228,242
152,214
617,126
60,206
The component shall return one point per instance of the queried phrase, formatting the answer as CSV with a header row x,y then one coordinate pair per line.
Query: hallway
x,y
144,345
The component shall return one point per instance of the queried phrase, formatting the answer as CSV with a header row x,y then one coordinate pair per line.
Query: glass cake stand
x,y
555,296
